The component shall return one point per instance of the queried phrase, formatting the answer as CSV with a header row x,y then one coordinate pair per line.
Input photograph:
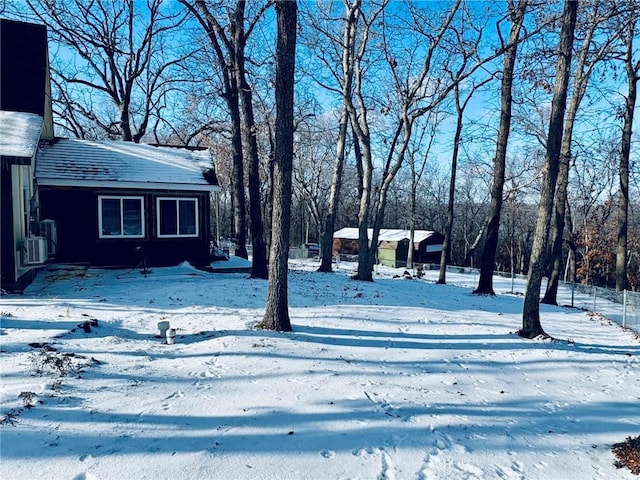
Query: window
x,y
177,217
121,217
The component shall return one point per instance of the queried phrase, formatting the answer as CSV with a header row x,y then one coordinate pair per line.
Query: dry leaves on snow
x,y
628,454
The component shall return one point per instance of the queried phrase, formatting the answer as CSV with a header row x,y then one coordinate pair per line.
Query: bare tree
x,y
419,87
587,57
418,155
362,145
276,316
632,69
414,101
472,200
121,50
485,282
461,105
594,178
531,326
344,78
259,267
315,158
415,86
229,43
231,97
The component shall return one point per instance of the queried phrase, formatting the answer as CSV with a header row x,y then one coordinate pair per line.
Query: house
x,y
25,118
393,245
98,203
125,204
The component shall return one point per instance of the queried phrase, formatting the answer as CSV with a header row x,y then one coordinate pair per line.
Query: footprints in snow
x,y
83,476
166,405
514,472
438,462
328,453
212,370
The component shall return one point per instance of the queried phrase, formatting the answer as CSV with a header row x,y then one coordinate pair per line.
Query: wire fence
x,y
620,307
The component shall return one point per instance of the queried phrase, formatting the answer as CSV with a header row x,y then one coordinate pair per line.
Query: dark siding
x,y
422,256
75,218
345,246
76,214
23,64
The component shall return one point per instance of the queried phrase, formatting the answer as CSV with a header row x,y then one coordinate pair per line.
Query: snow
x,y
395,379
231,263
20,133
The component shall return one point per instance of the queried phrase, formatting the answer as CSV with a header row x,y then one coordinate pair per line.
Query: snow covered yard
x,y
396,379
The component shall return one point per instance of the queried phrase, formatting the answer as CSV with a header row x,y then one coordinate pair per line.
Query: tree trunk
x,y
412,234
230,94
276,315
326,239
349,38
364,166
485,282
366,251
404,131
412,211
585,62
125,123
259,267
531,326
627,130
268,204
570,269
259,257
446,244
551,293
237,177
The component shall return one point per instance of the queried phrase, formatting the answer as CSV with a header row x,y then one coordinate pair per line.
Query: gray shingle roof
x,y
82,163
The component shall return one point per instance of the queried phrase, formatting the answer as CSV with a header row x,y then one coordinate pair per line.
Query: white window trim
x,y
121,198
178,235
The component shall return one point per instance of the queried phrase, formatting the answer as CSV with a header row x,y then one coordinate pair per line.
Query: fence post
x,y
624,307
573,290
595,295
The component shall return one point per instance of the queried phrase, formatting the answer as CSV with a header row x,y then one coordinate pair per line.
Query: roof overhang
x,y
20,136
55,182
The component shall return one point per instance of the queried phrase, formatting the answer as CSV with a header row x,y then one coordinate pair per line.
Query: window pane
x,y
111,216
187,217
132,221
168,217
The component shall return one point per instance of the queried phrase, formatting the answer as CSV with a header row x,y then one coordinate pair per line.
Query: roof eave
x,y
57,182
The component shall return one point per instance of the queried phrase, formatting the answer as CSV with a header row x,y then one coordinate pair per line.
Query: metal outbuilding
x,y
393,245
